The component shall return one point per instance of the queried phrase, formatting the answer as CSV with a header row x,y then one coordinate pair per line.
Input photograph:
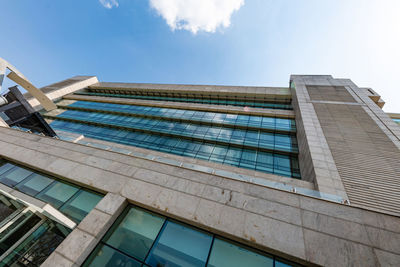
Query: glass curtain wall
x,y
198,99
74,201
253,142
27,238
143,238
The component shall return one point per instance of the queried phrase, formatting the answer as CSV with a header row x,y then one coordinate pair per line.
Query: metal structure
x,y
20,79
18,113
15,109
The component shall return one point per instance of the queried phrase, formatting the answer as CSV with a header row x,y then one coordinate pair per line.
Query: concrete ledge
x,y
58,90
262,92
283,223
81,242
279,113
315,157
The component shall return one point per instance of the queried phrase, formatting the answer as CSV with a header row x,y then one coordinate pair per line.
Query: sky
x,y
223,42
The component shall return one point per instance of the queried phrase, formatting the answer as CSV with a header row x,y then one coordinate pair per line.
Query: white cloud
x,y
197,15
109,3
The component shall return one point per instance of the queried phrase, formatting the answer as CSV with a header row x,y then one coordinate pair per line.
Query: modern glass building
x,y
203,175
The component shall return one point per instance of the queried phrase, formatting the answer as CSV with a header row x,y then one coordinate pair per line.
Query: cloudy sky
x,y
230,42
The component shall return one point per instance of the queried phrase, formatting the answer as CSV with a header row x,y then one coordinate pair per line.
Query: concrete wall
x,y
360,138
315,158
304,229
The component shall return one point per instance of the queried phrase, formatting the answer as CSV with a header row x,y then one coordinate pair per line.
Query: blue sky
x,y
250,42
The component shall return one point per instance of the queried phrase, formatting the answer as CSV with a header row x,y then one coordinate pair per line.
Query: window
x,y
142,238
34,184
135,234
191,98
226,254
58,193
14,176
199,141
80,204
179,245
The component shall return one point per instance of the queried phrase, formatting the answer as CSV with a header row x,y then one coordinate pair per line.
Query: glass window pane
x,y
265,162
14,176
80,205
225,254
284,124
280,263
7,209
6,167
34,184
180,245
106,256
34,250
282,162
17,230
233,156
136,233
57,193
282,165
248,159
268,122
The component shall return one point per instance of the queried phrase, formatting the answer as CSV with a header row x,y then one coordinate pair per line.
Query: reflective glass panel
x,y
179,245
6,210
136,233
34,184
202,99
80,205
106,256
5,167
14,176
17,229
224,254
205,150
58,193
280,263
34,250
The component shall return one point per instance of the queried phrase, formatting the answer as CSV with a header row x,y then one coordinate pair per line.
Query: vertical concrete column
x,y
315,158
387,125
82,240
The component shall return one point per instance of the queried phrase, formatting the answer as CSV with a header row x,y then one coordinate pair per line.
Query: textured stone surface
x,y
328,250
77,246
362,152
265,218
387,259
111,203
57,90
278,235
96,223
56,259
315,158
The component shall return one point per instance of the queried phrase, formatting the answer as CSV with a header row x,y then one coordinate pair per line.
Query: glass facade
x,y
265,144
27,238
397,121
196,98
34,250
74,201
142,238
242,137
281,164
267,123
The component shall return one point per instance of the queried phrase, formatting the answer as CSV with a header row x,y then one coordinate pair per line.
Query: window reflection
x,y
142,238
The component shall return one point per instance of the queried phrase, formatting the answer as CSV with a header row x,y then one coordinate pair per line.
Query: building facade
x,y
193,175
